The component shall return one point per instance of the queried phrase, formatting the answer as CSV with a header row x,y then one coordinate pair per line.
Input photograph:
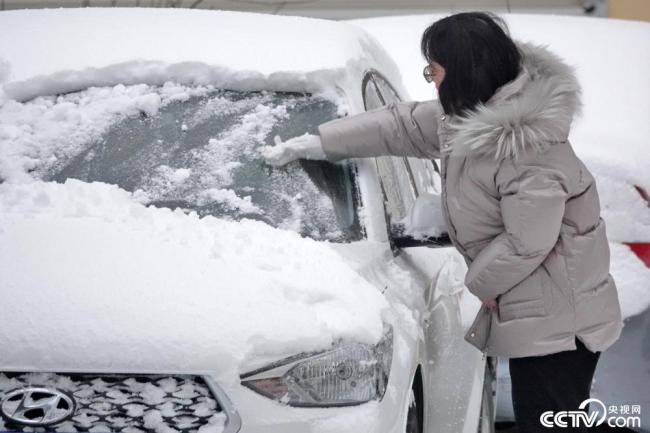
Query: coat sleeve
x,y
532,202
407,128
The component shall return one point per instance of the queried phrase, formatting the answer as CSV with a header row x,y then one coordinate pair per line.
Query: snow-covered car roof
x,y
50,51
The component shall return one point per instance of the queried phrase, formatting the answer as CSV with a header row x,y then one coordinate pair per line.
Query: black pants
x,y
558,382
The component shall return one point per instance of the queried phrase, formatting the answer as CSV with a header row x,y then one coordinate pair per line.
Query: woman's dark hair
x,y
478,55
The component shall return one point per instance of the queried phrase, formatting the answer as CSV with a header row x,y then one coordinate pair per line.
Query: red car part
x,y
641,249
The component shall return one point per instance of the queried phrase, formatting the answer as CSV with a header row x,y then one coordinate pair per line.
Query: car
x,y
610,140
156,275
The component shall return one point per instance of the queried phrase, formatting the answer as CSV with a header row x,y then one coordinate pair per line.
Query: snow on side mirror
x,y
423,225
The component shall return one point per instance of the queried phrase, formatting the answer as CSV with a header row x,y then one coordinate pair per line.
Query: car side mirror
x,y
423,225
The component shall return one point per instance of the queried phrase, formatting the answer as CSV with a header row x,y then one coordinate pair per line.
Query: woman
x,y
520,206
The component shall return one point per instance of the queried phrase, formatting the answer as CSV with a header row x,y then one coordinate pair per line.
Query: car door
x,y
452,369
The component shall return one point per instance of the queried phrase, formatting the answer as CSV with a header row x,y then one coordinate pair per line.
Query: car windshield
x,y
201,154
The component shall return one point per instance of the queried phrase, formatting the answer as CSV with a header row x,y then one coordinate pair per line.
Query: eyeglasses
x,y
428,73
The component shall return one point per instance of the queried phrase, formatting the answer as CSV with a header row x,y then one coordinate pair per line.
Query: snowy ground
x,y
612,59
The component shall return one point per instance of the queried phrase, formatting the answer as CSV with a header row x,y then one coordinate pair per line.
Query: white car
x,y
157,276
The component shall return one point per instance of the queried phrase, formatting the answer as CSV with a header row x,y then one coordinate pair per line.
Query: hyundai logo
x,y
36,406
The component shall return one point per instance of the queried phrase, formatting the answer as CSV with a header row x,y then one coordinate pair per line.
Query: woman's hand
x,y
491,303
306,146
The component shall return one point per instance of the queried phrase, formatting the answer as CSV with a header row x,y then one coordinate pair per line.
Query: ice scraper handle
x,y
306,146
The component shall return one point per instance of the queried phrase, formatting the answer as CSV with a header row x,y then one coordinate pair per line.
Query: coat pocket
x,y
530,298
588,258
479,331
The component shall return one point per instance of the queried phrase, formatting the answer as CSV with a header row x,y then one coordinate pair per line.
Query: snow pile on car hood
x,y
90,278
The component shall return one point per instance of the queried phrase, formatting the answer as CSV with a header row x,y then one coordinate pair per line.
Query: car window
x,y
397,188
399,193
200,154
371,98
388,93
425,176
422,172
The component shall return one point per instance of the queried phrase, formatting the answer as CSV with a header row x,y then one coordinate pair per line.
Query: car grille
x,y
123,403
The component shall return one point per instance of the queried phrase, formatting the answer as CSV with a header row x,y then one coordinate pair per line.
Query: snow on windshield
x,y
35,135
188,147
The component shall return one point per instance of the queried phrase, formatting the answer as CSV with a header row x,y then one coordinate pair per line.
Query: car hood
x,y
93,280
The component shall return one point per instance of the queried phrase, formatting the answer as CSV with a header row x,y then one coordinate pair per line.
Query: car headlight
x,y
347,374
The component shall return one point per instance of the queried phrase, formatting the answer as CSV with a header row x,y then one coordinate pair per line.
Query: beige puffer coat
x,y
520,206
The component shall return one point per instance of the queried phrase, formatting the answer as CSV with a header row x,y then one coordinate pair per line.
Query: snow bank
x,y
626,214
87,265
612,59
632,279
51,51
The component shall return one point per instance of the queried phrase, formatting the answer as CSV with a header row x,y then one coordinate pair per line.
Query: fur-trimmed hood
x,y
530,112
